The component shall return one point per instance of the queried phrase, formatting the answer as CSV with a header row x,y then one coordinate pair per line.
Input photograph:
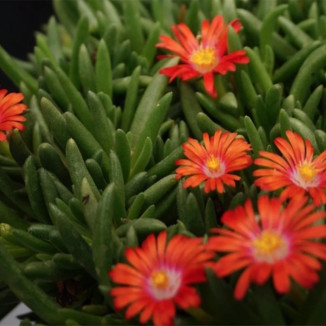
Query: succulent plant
x,y
94,171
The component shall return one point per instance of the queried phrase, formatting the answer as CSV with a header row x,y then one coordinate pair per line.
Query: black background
x,y
19,19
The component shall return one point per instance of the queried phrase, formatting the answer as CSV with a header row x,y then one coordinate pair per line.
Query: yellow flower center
x,y
268,242
269,247
160,280
204,59
213,163
307,172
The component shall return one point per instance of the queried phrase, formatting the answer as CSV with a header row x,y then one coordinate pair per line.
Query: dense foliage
x,y
94,171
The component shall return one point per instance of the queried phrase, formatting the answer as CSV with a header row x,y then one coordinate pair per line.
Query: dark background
x,y
19,19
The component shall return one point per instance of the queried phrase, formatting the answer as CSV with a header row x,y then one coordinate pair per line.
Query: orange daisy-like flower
x,y
280,242
213,162
205,55
158,276
10,112
297,170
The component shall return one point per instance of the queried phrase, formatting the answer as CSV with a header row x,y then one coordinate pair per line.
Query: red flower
x,y
10,112
202,56
297,170
158,276
280,242
213,162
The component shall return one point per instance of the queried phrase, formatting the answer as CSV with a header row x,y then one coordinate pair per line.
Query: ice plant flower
x,y
158,276
297,171
202,56
279,241
212,162
10,112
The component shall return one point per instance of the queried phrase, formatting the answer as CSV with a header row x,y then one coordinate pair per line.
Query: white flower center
x,y
269,247
213,167
164,283
305,176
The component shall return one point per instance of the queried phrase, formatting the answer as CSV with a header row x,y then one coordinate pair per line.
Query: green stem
x,y
26,290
